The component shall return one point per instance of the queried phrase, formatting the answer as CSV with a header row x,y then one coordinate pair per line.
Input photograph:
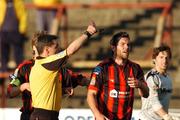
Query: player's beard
x,y
125,55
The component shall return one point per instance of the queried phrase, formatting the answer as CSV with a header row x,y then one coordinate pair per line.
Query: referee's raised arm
x,y
77,43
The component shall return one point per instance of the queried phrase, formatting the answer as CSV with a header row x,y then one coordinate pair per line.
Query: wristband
x,y
88,34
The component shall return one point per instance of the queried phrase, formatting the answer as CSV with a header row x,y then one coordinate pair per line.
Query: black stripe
x,y
116,87
127,74
66,78
138,72
55,65
106,86
26,95
134,70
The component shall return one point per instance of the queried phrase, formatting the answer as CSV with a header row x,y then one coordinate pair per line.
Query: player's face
x,y
162,60
122,48
53,49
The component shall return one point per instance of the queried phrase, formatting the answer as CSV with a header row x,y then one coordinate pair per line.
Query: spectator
x,y
12,30
45,13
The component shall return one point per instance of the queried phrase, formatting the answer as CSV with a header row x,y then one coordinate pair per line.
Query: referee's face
x,y
53,48
122,48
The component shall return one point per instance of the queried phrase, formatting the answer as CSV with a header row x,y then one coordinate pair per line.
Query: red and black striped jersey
x,y
114,96
22,74
72,79
69,79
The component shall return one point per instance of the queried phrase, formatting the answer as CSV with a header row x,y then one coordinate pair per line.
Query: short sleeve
x,y
96,79
55,62
153,94
140,73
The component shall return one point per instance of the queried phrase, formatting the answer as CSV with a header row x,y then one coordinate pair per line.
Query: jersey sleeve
x,y
72,79
54,62
79,79
66,78
96,79
17,78
153,94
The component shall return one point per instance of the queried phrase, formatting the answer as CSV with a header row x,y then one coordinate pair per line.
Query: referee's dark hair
x,y
42,39
115,39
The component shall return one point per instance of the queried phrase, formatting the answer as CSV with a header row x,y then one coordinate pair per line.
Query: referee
x,y
44,84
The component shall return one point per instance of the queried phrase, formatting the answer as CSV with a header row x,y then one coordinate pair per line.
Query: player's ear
x,y
46,50
35,52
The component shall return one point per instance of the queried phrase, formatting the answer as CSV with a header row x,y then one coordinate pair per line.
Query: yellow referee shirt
x,y
46,88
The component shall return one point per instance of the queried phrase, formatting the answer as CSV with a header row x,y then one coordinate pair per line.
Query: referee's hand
x,y
92,28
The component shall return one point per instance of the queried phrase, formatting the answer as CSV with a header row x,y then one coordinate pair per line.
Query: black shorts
x,y
42,114
25,116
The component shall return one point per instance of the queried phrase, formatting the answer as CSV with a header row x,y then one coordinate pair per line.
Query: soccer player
x,y
111,91
155,107
44,84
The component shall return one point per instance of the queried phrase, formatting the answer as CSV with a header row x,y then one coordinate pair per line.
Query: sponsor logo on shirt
x,y
118,94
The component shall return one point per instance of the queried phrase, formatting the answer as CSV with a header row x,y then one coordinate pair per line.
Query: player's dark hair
x,y
115,39
161,48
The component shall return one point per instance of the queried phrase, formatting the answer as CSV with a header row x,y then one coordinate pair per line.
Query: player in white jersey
x,y
155,107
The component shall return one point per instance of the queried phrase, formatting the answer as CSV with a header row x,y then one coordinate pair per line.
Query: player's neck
x,y
120,61
161,71
44,54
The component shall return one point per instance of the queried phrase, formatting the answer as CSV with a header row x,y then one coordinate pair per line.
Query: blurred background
x,y
149,23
